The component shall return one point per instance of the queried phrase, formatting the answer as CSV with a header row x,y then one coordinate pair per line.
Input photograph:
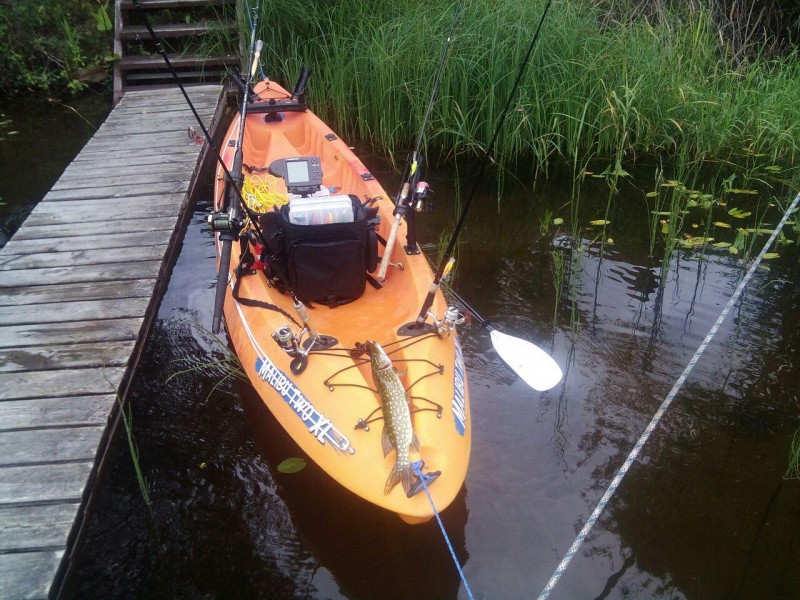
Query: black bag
x,y
323,264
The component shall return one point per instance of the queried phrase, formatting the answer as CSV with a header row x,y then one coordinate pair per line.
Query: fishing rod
x,y
413,168
230,233
533,365
226,224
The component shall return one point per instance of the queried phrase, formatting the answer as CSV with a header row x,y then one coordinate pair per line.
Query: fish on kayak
x,y
398,431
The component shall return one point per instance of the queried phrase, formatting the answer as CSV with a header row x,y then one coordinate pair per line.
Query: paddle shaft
x,y
484,162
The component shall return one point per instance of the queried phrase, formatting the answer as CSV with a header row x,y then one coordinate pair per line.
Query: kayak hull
x,y
324,407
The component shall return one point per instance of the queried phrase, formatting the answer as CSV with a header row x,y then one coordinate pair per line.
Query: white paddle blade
x,y
533,365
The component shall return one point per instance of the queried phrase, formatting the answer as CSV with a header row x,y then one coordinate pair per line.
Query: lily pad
x,y
292,465
558,221
721,224
722,245
599,222
740,191
771,255
739,214
651,194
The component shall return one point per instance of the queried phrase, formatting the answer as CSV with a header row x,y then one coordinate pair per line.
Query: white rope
x,y
612,488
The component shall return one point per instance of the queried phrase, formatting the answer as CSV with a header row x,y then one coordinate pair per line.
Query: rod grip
x,y
387,251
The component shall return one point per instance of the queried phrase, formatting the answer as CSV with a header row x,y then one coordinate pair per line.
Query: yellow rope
x,y
260,193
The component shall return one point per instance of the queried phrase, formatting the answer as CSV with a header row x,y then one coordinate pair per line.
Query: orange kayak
x,y
324,393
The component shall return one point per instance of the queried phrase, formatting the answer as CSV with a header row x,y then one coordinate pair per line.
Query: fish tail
x,y
400,474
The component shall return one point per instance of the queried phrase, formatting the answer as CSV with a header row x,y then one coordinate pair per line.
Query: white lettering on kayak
x,y
459,391
319,425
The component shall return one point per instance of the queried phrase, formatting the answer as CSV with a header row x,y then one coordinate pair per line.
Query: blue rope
x,y
424,479
637,448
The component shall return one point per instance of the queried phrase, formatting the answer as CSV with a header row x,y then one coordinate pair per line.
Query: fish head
x,y
377,356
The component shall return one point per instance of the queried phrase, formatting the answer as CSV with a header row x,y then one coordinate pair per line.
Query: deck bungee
x,y
370,386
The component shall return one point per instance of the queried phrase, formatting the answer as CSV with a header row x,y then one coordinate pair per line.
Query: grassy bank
x,y
602,83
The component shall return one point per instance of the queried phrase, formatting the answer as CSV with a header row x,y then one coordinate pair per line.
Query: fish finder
x,y
303,174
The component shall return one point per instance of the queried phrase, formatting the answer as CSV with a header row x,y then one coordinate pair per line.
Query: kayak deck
x,y
323,406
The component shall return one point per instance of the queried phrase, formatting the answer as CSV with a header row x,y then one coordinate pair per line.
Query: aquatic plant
x,y
222,363
793,471
127,420
619,89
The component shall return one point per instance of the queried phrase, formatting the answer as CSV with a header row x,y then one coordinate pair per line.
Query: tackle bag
x,y
322,264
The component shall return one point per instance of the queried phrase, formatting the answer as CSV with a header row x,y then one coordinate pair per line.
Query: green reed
x,y
595,88
793,471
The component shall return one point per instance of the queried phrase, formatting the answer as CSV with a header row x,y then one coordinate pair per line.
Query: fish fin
x,y
414,441
402,475
386,443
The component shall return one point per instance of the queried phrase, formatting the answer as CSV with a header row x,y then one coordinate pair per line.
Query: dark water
x,y
48,135
704,513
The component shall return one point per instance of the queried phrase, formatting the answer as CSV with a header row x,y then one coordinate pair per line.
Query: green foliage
x,y
52,46
597,87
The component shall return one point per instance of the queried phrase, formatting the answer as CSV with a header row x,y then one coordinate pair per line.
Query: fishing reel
x,y
452,318
296,346
421,200
222,221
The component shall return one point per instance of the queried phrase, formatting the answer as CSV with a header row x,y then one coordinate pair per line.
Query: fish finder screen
x,y
297,172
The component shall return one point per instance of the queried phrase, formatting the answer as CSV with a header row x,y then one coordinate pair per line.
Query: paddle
x,y
531,364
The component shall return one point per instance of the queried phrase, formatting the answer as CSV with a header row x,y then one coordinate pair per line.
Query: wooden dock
x,y
80,283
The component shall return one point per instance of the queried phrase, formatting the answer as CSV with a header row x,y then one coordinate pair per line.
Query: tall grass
x,y
615,90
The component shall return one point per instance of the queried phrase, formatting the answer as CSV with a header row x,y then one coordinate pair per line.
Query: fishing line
x,y
424,480
612,488
477,181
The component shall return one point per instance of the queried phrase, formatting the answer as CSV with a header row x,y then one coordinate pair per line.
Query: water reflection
x,y
702,514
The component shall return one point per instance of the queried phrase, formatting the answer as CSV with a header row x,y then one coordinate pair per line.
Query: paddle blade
x,y
533,365
222,284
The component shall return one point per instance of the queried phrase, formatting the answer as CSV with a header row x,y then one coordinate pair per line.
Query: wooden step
x,y
132,32
207,74
155,61
158,4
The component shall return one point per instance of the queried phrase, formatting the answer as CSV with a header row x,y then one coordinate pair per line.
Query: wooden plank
x,y
18,336
53,412
40,358
153,61
166,143
102,193
172,95
94,228
28,575
36,527
81,274
36,446
130,32
44,483
159,4
54,384
153,124
115,180
84,310
50,213
71,244
178,152
124,167
72,292
10,262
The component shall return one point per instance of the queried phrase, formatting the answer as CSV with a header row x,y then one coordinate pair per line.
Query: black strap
x,y
260,304
373,282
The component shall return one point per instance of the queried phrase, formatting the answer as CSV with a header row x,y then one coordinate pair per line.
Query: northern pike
x,y
397,430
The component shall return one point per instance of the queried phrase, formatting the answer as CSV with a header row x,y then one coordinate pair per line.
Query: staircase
x,y
180,24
